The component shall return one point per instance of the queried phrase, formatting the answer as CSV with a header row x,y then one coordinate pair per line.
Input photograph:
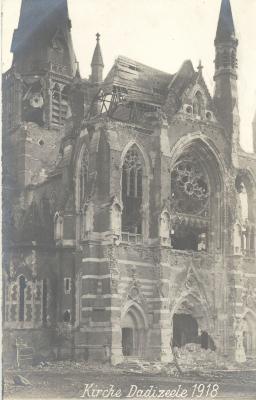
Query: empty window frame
x,y
132,177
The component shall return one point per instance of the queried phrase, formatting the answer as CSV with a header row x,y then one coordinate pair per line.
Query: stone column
x,y
161,335
162,323
116,353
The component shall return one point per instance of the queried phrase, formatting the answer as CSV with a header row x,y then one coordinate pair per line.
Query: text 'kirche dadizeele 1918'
x,y
129,205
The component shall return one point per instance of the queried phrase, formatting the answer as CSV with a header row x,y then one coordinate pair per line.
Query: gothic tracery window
x,y
190,189
190,203
132,191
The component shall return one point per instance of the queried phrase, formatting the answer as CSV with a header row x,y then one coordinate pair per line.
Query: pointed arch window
x,y
190,201
58,226
132,188
59,104
84,177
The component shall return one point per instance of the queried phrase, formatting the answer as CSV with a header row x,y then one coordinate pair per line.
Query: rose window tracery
x,y
190,188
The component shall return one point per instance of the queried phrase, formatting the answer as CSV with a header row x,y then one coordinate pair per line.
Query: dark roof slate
x,y
226,28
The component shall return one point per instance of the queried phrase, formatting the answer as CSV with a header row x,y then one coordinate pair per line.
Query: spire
x,y
226,95
226,29
97,59
97,62
43,25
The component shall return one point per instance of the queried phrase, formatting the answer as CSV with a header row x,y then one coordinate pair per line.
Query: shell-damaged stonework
x,y
129,205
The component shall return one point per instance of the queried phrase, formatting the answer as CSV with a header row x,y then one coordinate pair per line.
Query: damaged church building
x,y
129,206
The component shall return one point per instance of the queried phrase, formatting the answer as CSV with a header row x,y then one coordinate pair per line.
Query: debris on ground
x,y
192,356
19,380
138,366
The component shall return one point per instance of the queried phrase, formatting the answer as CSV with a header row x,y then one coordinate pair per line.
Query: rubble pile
x,y
137,366
193,357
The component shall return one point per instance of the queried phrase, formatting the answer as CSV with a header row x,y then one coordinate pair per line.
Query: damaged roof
x,y
140,82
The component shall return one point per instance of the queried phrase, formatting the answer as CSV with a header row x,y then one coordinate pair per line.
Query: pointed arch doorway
x,y
134,328
191,324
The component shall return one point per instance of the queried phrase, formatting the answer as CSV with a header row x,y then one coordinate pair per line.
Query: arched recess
x,y
58,226
249,333
192,322
82,189
198,104
246,214
197,195
115,217
134,329
135,193
81,177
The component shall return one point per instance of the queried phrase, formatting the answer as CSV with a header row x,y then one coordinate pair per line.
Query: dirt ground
x,y
67,381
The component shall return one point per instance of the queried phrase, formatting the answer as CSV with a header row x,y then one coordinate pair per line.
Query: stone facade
x,y
129,206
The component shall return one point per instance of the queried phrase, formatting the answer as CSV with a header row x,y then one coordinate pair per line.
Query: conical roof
x,y
97,59
226,29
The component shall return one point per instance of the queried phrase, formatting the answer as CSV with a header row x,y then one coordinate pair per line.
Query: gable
x,y
188,94
197,102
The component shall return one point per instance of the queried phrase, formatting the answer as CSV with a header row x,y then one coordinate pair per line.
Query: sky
x,y
159,33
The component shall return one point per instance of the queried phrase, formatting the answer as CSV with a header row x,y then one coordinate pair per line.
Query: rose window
x,y
190,188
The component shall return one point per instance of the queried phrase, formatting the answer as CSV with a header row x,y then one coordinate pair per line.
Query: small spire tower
x,y
97,64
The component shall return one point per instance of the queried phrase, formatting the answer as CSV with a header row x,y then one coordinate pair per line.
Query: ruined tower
x,y
35,93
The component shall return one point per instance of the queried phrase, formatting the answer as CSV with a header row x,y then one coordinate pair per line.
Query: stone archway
x,y
134,329
191,323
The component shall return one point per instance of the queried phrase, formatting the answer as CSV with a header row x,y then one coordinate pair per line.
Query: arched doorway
x,y
185,330
191,324
133,332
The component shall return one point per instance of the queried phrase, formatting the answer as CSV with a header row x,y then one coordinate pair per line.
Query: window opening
x,y
67,285
59,104
66,316
132,187
184,237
